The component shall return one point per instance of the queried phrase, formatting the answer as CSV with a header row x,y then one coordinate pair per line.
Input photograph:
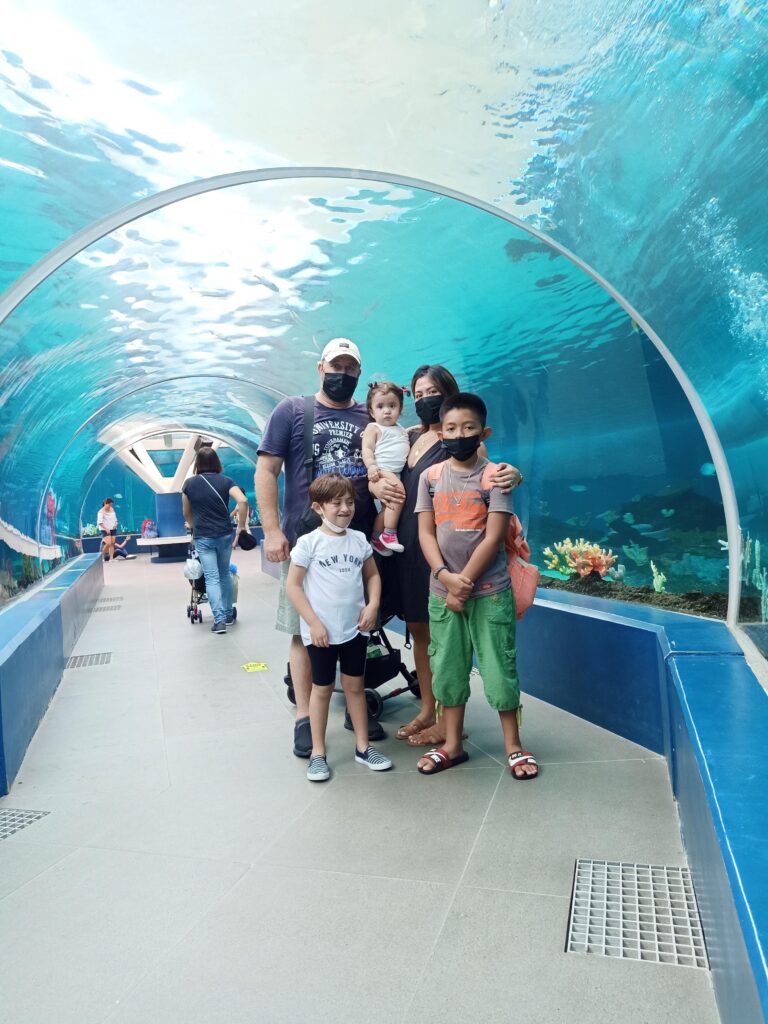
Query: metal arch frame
x,y
115,453
128,394
105,225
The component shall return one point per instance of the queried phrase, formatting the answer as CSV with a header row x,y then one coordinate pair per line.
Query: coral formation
x,y
580,556
758,576
659,579
635,553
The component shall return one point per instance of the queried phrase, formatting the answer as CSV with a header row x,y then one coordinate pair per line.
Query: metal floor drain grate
x,y
104,601
635,912
107,608
12,819
89,660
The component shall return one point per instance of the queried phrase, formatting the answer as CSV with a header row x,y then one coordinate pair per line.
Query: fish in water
x,y
667,512
577,488
707,469
628,518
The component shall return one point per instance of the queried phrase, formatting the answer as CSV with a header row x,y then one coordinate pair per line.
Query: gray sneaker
x,y
318,769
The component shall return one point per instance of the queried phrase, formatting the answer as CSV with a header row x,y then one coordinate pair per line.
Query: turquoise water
x,y
648,161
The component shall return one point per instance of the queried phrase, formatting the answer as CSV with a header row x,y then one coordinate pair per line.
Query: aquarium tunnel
x,y
567,211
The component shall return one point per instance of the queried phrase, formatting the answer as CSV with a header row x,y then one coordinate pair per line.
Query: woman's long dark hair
x,y
444,380
207,461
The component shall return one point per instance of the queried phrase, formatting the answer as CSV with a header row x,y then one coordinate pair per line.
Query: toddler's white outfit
x,y
392,448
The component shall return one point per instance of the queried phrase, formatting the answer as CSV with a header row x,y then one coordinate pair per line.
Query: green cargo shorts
x,y
486,628
287,620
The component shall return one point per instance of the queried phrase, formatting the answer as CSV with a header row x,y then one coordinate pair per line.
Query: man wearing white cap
x,y
338,422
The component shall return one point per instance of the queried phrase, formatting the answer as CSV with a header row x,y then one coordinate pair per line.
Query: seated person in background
x,y
119,550
385,449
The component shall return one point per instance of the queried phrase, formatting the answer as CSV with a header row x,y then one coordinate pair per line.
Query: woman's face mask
x,y
428,409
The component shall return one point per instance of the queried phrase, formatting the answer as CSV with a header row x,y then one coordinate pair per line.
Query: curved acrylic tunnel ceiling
x,y
142,466
160,318
633,133
230,410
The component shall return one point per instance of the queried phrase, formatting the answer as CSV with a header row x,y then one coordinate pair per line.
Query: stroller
x,y
383,662
199,594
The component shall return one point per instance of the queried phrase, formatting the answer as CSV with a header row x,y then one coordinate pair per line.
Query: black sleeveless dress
x,y
405,577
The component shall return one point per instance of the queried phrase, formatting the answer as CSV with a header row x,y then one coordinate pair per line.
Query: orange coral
x,y
580,557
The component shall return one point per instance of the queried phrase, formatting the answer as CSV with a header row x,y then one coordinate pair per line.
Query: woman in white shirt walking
x,y
106,521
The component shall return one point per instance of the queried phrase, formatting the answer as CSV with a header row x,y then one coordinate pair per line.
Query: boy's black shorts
x,y
350,657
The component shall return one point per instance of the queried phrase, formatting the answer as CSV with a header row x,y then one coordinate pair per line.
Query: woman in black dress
x,y
406,576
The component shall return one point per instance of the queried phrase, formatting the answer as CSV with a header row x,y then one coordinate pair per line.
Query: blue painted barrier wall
x,y
91,544
681,686
170,515
36,638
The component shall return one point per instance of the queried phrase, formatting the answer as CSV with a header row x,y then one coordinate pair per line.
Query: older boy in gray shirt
x,y
462,528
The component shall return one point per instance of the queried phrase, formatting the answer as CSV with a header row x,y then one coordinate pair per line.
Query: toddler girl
x,y
385,450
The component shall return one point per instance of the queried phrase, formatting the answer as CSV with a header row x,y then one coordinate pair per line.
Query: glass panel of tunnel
x,y
202,314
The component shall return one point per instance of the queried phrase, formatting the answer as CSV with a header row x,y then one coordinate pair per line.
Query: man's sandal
x,y
518,758
442,760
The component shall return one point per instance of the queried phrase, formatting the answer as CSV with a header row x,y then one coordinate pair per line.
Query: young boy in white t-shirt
x,y
330,569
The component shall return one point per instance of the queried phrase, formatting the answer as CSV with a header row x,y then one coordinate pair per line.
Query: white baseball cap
x,y
340,347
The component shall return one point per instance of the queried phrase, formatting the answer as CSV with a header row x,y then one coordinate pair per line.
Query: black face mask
x,y
462,448
428,409
339,386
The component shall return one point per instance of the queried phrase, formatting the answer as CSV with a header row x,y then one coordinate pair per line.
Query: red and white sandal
x,y
442,760
522,757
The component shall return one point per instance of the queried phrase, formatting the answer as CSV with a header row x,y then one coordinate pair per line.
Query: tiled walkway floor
x,y
187,872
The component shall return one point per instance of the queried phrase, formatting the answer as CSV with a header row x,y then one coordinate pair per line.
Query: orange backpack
x,y
523,576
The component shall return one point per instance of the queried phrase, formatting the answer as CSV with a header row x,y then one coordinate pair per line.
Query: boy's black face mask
x,y
462,448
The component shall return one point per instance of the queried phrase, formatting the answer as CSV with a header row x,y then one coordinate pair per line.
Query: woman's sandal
x,y
520,757
415,726
441,760
432,736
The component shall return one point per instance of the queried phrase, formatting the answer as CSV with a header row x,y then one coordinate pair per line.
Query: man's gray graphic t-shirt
x,y
336,446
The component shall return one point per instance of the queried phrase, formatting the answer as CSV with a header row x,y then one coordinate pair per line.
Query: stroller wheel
x,y
413,686
234,612
375,704
199,615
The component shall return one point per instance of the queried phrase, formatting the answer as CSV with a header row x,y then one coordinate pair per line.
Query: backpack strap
x,y
309,422
433,474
